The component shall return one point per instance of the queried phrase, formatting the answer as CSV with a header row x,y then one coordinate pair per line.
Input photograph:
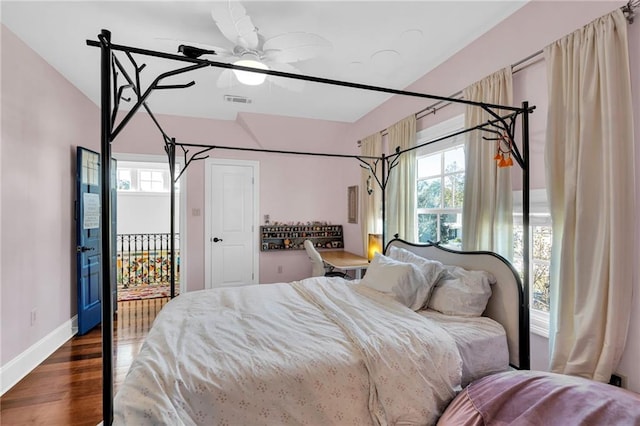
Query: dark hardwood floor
x,y
66,389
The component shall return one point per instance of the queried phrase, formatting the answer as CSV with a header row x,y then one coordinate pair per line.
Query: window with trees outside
x,y
540,239
440,184
440,169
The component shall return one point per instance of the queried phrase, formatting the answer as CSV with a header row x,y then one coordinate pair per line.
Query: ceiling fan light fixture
x,y
247,77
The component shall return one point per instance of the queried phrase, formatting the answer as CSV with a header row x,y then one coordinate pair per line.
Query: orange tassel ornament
x,y
503,156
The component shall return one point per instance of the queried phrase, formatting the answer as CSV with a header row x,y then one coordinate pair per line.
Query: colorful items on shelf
x,y
291,237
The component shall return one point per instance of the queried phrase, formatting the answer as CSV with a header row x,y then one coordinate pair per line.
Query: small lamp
x,y
375,245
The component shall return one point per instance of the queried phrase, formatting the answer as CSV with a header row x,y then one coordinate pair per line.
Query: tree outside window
x,y
440,183
541,237
440,191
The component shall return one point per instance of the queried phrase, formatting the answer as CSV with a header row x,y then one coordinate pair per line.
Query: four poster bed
x,y
392,348
396,346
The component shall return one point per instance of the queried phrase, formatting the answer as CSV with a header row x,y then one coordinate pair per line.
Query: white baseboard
x,y
16,369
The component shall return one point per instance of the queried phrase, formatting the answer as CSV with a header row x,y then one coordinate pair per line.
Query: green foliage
x,y
438,193
428,228
540,258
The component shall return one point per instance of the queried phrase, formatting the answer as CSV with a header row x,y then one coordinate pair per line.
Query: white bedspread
x,y
316,352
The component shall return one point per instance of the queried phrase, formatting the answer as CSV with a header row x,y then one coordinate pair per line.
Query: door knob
x,y
82,249
216,239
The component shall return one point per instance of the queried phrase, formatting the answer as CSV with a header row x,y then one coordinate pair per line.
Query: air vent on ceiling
x,y
237,99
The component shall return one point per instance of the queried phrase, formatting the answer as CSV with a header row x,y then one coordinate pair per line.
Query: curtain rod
x,y
629,11
433,108
437,106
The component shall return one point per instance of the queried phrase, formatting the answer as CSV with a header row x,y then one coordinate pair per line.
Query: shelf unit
x,y
291,237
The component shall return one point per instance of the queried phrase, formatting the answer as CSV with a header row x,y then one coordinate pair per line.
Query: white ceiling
x,y
382,43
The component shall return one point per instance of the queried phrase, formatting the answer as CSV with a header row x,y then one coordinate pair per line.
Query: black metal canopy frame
x,y
112,92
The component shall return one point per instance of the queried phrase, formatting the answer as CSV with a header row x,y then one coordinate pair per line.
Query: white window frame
x,y
136,169
436,131
539,215
155,177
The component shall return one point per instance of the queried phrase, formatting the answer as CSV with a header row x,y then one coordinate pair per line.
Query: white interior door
x,y
231,247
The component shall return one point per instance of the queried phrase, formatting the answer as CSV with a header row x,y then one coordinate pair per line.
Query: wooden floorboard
x,y
66,389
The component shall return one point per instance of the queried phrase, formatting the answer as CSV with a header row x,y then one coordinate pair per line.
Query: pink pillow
x,y
540,398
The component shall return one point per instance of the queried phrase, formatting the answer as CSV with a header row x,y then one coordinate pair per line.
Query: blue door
x,y
88,239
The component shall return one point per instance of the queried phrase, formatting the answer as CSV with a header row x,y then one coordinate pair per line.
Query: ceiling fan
x,y
249,48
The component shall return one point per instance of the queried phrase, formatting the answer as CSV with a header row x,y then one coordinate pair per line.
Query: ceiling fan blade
x,y
286,83
232,20
226,79
293,47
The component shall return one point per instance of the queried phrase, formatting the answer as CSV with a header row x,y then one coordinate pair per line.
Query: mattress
x,y
481,341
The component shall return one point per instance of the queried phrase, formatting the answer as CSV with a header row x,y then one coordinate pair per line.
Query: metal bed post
x,y
383,188
105,159
524,312
172,244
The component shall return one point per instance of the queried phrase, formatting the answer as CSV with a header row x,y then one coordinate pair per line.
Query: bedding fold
x,y
317,352
413,365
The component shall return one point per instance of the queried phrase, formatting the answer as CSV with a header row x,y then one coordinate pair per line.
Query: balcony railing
x,y
145,259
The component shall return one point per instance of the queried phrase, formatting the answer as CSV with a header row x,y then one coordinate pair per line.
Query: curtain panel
x,y
487,211
590,182
401,200
371,211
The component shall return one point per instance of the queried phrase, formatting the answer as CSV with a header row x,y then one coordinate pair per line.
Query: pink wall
x,y
292,188
44,118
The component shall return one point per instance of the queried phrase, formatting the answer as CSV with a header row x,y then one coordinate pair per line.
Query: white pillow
x,y
461,292
403,281
432,269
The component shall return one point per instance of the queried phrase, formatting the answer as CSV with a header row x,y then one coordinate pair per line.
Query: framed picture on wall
x,y
352,204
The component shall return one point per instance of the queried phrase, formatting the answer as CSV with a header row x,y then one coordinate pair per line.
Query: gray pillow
x,y
432,270
403,281
461,292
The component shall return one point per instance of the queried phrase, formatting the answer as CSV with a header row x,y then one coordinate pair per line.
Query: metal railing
x,y
145,259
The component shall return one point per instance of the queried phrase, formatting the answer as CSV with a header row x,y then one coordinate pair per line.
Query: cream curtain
x,y
590,181
401,198
487,211
371,214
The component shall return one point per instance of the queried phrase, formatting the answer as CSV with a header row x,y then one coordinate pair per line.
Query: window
x,y
440,192
540,239
151,180
145,177
440,184
124,180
